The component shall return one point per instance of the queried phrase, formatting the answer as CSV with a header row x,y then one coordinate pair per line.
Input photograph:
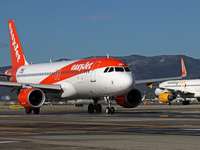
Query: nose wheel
x,y
109,109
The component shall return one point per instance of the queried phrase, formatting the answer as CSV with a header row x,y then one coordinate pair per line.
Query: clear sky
x,y
54,29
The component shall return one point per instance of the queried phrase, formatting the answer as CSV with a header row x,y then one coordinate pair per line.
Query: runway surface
x,y
148,127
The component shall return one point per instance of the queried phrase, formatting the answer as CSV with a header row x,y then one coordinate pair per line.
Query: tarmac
x,y
146,127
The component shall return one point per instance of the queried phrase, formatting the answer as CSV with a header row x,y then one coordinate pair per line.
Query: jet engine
x,y
129,100
166,97
31,98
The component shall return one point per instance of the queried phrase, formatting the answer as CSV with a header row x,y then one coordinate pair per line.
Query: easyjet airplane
x,y
88,78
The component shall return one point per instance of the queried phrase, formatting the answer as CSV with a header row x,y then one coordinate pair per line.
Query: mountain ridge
x,y
144,67
147,67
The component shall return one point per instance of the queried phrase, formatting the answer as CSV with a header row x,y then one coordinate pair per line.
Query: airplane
x,y
94,78
172,89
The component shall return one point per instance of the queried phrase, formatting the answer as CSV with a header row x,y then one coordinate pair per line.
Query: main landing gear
x,y
169,103
35,111
95,107
98,108
109,109
185,102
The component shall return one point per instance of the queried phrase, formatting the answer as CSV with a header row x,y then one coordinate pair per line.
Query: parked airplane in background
x,y
78,79
170,90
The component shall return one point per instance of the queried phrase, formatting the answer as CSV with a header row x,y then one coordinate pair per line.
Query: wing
x,y
24,85
150,81
185,91
5,75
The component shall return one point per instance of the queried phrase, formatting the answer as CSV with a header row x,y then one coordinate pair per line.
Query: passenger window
x,y
127,69
119,69
111,69
106,70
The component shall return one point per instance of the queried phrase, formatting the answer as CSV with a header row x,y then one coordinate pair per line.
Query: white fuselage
x,y
182,86
77,82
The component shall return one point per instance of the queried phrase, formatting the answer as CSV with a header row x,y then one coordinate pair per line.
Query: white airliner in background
x,y
170,90
77,79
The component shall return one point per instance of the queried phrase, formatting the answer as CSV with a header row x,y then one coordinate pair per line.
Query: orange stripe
x,y
80,67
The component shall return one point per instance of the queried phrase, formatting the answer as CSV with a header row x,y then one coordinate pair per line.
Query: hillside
x,y
162,66
149,67
154,67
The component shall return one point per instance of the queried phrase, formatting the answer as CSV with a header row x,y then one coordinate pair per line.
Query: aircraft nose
x,y
128,81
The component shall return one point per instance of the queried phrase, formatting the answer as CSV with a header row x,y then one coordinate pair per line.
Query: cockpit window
x,y
111,69
106,70
127,69
119,69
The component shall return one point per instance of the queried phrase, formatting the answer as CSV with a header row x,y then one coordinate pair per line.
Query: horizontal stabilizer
x,y
5,75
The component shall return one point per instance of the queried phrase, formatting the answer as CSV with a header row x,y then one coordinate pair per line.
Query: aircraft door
x,y
93,71
57,75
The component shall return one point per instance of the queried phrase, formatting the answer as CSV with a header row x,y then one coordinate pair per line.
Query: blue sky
x,y
54,29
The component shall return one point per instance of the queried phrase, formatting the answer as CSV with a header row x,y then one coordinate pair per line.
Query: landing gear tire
x,y
186,102
98,108
107,110
169,103
90,108
28,111
36,111
112,110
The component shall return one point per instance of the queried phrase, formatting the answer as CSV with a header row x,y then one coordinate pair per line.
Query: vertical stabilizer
x,y
184,72
17,56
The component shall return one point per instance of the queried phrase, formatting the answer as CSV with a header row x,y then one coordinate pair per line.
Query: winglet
x,y
151,86
17,55
184,72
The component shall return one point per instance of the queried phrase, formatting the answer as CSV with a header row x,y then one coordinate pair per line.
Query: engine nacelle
x,y
31,98
129,100
166,97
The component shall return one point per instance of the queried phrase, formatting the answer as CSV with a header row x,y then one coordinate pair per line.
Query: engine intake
x,y
166,97
31,98
129,100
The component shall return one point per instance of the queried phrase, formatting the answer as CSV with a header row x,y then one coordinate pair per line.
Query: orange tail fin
x,y
17,55
184,72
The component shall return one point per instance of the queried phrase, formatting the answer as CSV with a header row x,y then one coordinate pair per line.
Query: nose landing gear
x,y
109,109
